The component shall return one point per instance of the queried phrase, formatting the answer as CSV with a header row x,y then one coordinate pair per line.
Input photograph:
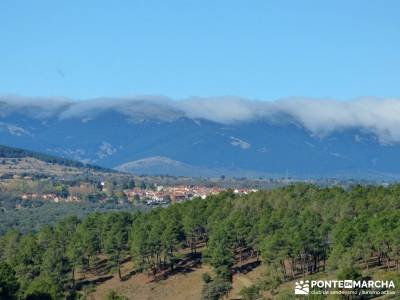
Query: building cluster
x,y
173,194
49,197
160,195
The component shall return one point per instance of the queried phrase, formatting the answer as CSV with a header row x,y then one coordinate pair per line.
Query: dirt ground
x,y
180,286
177,287
243,280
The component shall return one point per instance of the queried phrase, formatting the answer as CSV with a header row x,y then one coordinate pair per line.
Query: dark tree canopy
x,y
296,231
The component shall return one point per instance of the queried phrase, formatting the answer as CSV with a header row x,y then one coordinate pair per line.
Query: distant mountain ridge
x,y
155,138
164,166
160,165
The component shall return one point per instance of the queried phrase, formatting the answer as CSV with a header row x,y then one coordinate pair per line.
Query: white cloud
x,y
380,116
223,109
37,107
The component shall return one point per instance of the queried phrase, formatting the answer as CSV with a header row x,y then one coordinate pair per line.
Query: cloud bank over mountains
x,y
379,116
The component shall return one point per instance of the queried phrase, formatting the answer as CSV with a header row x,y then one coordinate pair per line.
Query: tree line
x,y
14,153
295,231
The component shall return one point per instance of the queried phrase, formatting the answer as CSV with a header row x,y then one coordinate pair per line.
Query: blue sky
x,y
255,49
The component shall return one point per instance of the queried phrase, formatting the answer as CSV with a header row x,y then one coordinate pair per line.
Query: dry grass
x,y
30,165
177,287
180,286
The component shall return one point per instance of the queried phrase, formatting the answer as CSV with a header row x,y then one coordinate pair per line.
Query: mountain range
x,y
211,137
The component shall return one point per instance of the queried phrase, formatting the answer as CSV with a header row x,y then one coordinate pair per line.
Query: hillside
x,y
10,152
188,286
181,286
16,161
241,243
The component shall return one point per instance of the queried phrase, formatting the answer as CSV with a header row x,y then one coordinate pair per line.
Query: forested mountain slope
x,y
12,152
296,232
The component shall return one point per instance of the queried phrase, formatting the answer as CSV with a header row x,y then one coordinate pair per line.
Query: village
x,y
173,194
157,195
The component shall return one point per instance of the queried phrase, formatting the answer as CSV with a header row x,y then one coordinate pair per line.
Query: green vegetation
x,y
113,295
11,152
33,217
8,282
296,231
78,197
